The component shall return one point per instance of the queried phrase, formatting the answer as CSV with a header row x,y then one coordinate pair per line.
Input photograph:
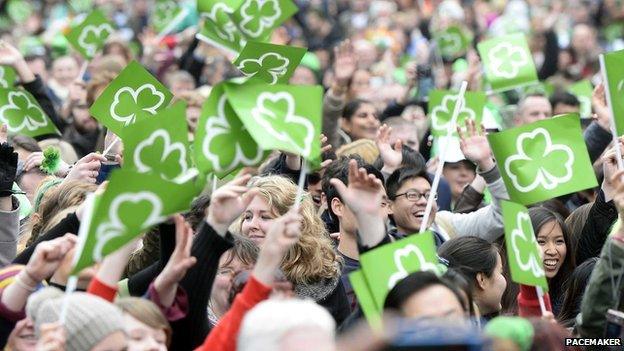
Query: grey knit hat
x,y
89,318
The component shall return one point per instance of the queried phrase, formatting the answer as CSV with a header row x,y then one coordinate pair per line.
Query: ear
x,y
337,207
323,199
390,207
481,281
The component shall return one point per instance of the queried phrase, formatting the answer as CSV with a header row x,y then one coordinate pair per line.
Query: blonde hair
x,y
55,202
191,97
365,148
146,312
313,258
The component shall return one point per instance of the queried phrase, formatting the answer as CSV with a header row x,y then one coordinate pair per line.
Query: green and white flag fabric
x,y
365,298
19,10
543,160
132,91
583,92
441,106
452,42
167,14
230,25
132,203
159,144
90,35
615,76
79,6
7,77
222,143
385,266
523,252
508,62
22,114
269,63
280,117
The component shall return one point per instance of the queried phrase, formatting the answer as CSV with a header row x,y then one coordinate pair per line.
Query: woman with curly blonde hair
x,y
311,265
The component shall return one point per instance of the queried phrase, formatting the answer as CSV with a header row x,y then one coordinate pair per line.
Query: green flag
x,y
167,13
508,62
159,144
22,114
256,19
387,265
218,28
81,5
543,160
134,90
545,88
583,92
615,75
269,63
280,117
452,42
524,259
222,144
7,77
132,203
19,10
90,35
441,106
365,298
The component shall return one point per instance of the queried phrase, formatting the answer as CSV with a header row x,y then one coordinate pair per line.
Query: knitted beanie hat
x,y
516,329
89,318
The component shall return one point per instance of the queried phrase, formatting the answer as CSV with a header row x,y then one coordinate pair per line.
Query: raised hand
x,y
178,264
599,103
228,202
618,198
475,146
345,63
609,168
325,147
48,256
283,234
86,168
9,55
392,158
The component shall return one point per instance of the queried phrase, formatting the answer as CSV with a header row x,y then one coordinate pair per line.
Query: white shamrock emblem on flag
x,y
286,121
91,36
411,252
126,113
548,166
33,116
506,60
224,27
441,115
258,15
525,246
3,81
169,150
269,67
144,204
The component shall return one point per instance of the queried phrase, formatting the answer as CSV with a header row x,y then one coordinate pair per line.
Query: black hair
x,y
540,216
196,214
414,283
457,279
400,176
339,169
411,158
352,106
574,291
563,97
470,255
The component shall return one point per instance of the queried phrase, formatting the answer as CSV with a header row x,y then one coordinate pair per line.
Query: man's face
x,y
408,214
83,120
348,223
407,134
533,109
560,109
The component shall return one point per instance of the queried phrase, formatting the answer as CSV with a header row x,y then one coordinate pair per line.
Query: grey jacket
x,y
599,297
486,223
9,229
332,111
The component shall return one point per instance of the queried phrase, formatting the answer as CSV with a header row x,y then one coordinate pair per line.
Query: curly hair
x,y
313,258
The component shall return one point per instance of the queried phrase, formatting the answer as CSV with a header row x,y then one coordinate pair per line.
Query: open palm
x,y
364,193
474,143
228,202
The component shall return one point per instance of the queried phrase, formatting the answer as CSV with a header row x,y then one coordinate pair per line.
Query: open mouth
x,y
551,264
419,214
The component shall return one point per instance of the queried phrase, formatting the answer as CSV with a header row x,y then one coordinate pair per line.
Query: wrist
x,y
338,89
220,228
28,279
485,164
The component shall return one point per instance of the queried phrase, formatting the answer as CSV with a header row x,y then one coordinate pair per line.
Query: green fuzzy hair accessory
x,y
51,160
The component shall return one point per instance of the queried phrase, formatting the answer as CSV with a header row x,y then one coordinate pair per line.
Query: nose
x,y
151,344
549,249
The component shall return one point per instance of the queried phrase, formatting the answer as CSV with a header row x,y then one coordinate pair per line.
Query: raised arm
x,y
345,64
598,135
9,206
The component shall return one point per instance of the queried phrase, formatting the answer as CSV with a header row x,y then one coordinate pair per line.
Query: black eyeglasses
x,y
413,195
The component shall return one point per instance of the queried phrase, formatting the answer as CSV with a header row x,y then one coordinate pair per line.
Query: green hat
x,y
518,330
311,61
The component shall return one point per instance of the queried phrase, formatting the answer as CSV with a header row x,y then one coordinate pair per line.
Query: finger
x,y
398,145
237,188
470,126
179,231
339,186
242,180
352,177
326,163
249,196
92,157
362,175
616,180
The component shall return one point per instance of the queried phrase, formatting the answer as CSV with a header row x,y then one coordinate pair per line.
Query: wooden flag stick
x,y
112,144
442,156
301,183
616,143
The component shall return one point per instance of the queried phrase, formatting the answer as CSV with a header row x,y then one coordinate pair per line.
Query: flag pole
x,y
442,156
83,70
540,298
616,143
301,183
172,25
110,147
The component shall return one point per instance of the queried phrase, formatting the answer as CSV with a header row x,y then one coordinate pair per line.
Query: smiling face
x,y
142,337
490,289
257,220
229,267
408,215
363,124
65,70
552,243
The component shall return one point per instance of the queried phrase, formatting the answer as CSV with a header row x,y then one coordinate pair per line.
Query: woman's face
x,y
363,124
554,250
219,297
489,296
257,220
360,84
65,70
142,337
23,337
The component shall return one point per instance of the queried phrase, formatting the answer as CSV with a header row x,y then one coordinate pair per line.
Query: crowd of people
x,y
249,268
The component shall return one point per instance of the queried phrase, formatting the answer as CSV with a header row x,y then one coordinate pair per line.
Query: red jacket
x,y
528,303
223,335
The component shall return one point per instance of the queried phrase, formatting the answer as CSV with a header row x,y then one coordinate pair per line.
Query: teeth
x,y
550,262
